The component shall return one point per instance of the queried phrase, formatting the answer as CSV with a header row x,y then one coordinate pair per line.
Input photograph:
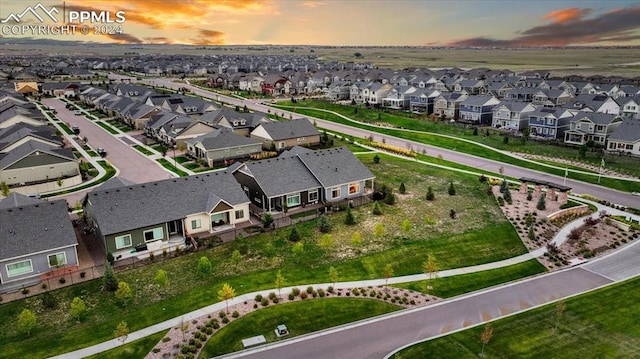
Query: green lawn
x,y
182,159
65,128
136,349
479,235
451,286
299,317
600,324
143,150
110,172
168,165
108,127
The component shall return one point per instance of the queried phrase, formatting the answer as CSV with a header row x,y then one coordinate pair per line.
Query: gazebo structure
x,y
554,192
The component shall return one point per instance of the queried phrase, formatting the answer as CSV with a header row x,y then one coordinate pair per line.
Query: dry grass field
x,y
560,61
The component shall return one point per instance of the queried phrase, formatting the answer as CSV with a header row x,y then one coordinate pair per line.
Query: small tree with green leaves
x,y
402,188
390,197
430,269
452,189
77,308
323,224
26,321
4,189
326,241
356,239
378,230
485,337
376,159
430,195
122,331
542,204
161,278
376,208
279,282
123,292
109,280
236,258
531,234
333,275
349,219
529,195
507,196
294,236
226,293
204,267
388,272
297,248
406,226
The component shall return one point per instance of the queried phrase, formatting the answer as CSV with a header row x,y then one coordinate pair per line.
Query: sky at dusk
x,y
353,23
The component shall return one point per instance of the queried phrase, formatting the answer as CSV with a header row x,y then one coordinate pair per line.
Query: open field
x,y
560,61
479,235
600,324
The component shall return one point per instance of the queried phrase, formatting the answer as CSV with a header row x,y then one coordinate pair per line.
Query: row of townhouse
x,y
38,240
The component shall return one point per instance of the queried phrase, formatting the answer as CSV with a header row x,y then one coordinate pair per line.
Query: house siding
x,y
137,238
40,264
18,173
344,192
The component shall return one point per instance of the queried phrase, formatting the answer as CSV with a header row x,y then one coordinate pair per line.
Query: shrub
x,y
542,204
62,280
258,297
225,320
482,178
291,296
349,219
275,300
376,159
49,301
376,208
330,289
109,279
294,236
235,314
166,339
264,302
323,224
44,286
303,295
267,220
430,195
208,331
529,196
501,201
451,190
222,314
309,289
402,188
321,293
295,291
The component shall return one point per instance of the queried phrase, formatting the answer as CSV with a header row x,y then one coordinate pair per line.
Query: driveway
x,y
132,165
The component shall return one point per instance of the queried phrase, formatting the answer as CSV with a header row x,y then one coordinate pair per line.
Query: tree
x,y
245,109
77,308
542,204
236,257
122,331
4,189
452,190
507,195
486,336
561,306
505,140
376,159
333,275
161,278
110,258
279,282
109,280
204,267
378,230
406,225
267,220
26,321
475,131
430,195
430,268
225,293
349,219
356,239
123,292
525,135
402,188
582,151
323,224
294,236
376,208
388,272
390,197
326,241
529,195
357,55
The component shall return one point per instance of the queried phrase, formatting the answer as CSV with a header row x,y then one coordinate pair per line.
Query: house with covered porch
x,y
591,126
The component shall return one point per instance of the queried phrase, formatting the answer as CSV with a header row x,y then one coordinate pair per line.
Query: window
x,y
196,223
19,268
313,196
293,200
240,214
58,259
335,192
123,241
153,234
354,188
280,144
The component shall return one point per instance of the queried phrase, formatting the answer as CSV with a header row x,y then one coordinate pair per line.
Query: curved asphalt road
x,y
608,194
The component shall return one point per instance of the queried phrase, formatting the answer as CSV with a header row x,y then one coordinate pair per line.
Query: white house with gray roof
x,y
625,139
37,237
221,145
591,126
131,220
35,162
286,134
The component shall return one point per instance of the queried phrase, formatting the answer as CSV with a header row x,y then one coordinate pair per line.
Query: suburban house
x,y
35,161
447,105
549,123
512,115
37,238
625,139
221,145
630,107
374,92
398,97
133,219
286,134
11,114
477,109
241,123
338,91
300,177
138,114
591,126
421,101
595,103
20,133
61,89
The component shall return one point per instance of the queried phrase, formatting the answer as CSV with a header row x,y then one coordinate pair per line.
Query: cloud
x,y
566,15
158,40
313,4
124,38
208,37
569,27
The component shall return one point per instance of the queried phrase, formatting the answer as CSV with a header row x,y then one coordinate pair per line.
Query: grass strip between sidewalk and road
x,y
136,349
108,128
168,165
598,324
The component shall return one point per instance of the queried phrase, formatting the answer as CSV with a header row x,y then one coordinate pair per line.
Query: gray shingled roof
x,y
595,117
290,129
282,175
35,228
31,146
130,207
335,166
15,199
628,131
223,138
